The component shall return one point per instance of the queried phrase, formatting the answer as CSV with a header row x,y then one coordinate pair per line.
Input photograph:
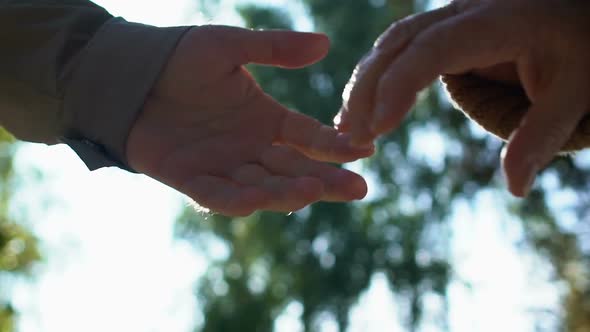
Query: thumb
x,y
544,130
279,48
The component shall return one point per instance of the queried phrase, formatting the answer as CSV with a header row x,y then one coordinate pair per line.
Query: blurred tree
x,y
18,247
324,256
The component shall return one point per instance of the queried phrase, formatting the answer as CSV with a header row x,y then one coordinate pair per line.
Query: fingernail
x,y
356,143
527,181
348,142
364,147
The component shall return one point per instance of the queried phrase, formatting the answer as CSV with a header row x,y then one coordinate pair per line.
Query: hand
x,y
209,131
540,44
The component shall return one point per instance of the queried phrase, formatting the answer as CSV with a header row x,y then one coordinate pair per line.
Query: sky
x,y
112,263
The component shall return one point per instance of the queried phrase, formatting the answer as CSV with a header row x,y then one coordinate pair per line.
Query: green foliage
x,y
18,247
324,256
6,319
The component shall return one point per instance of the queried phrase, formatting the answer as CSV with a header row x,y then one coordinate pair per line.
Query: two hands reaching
x,y
208,130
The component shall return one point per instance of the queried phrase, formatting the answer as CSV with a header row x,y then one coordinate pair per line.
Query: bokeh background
x,y
438,244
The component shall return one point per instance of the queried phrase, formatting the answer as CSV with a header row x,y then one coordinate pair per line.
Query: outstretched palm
x,y
209,131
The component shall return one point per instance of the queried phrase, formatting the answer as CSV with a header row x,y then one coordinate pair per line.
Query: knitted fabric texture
x,y
499,107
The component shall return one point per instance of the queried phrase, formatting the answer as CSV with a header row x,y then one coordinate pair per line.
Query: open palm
x,y
208,130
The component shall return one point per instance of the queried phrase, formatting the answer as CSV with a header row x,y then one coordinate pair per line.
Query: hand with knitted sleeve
x,y
208,130
526,60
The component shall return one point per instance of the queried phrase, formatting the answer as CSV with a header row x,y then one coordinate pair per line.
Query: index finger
x,y
477,38
359,95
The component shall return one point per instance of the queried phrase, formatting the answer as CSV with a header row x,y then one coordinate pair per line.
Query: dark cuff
x,y
108,89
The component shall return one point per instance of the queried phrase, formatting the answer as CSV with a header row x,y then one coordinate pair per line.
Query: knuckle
x,y
404,28
399,30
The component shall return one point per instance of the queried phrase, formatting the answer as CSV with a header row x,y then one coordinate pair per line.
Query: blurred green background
x,y
324,257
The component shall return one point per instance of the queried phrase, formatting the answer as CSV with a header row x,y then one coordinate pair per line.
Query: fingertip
x,y
347,186
361,134
362,142
281,48
363,151
320,42
519,168
359,188
341,149
300,49
520,180
323,40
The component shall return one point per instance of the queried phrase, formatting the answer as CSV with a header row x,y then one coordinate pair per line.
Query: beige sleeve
x,y
71,73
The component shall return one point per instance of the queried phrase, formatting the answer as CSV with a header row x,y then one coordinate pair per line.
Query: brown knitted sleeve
x,y
499,107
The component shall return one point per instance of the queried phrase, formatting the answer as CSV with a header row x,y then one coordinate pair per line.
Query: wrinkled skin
x,y
543,45
208,130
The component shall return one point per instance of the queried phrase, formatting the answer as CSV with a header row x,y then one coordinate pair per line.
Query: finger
x,y
281,48
359,94
288,193
546,127
502,72
403,31
339,184
225,197
466,41
318,141
355,114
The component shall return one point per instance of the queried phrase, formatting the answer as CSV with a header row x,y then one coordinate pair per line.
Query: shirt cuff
x,y
109,86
